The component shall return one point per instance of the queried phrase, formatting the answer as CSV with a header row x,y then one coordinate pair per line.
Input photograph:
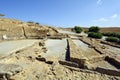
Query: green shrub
x,y
78,29
112,39
86,31
113,34
95,35
94,29
30,22
37,23
1,15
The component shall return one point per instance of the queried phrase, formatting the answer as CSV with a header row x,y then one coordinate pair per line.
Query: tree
x,y
112,39
78,29
30,22
37,23
97,35
2,15
94,29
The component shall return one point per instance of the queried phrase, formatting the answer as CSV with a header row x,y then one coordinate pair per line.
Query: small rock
x,y
41,59
103,47
41,43
10,69
49,62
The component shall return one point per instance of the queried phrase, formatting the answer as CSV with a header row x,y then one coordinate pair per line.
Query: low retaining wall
x,y
67,56
58,36
76,54
94,45
111,44
113,61
88,43
96,59
108,71
68,63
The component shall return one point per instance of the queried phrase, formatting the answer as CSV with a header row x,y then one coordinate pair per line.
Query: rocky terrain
x,y
15,29
54,54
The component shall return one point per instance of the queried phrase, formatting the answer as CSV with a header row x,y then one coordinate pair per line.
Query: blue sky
x,y
64,13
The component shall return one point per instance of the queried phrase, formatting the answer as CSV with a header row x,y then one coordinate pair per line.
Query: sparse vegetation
x,y
94,32
110,29
37,23
97,35
112,39
30,22
106,30
78,29
112,34
94,29
2,15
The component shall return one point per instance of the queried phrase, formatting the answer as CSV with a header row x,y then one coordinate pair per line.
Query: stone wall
x,y
76,54
108,71
111,44
96,59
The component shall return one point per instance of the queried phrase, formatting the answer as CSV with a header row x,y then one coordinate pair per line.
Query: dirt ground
x,y
30,63
33,69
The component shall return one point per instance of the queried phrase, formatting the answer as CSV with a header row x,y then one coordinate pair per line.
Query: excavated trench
x,y
115,71
67,56
87,51
106,65
112,61
56,49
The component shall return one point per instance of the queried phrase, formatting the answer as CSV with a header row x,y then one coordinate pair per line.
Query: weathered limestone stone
x,y
41,59
7,70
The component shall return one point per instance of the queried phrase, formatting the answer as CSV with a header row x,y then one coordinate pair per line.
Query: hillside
x,y
15,29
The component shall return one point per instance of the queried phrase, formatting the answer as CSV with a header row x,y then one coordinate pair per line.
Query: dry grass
x,y
114,29
105,30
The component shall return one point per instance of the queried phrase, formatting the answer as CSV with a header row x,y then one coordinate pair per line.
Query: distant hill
x,y
103,30
108,29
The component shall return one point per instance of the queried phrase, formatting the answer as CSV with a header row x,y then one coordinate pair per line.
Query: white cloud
x,y
114,16
99,2
101,20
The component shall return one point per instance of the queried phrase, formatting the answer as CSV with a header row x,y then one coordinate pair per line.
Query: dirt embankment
x,y
15,29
